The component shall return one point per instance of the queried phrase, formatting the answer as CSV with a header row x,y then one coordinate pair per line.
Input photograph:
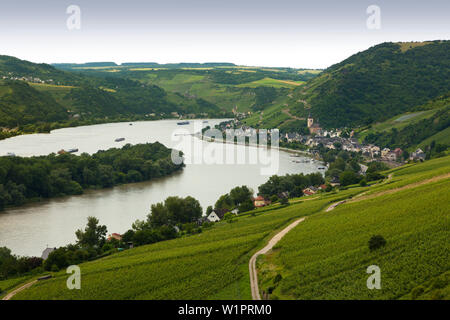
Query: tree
x,y
175,210
93,235
246,206
348,177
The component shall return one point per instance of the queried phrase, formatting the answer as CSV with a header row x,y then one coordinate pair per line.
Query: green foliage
x,y
238,197
23,179
21,104
284,201
413,134
12,265
291,183
93,235
349,177
175,210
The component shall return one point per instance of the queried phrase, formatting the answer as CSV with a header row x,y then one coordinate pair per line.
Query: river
x,y
29,229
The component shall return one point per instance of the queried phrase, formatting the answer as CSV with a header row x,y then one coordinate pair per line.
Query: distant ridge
x,y
143,64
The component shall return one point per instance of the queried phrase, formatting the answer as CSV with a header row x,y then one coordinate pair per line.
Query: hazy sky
x,y
292,33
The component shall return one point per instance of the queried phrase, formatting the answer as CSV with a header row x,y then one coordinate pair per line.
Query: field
x,y
273,83
324,257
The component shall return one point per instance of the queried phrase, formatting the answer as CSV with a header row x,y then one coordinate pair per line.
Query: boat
x,y
321,168
72,150
182,123
119,139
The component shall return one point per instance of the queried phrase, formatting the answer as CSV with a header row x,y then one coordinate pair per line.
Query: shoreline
x,y
306,153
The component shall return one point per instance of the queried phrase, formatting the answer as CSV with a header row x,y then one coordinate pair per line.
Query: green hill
x,y
223,84
379,83
325,256
39,93
372,86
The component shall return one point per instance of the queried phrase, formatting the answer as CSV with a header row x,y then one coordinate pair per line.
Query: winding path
x,y
14,292
267,248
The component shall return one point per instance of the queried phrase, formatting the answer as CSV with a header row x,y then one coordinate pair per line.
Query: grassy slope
x,y
410,118
211,264
214,264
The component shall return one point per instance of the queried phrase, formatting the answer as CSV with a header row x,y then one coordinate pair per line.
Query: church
x,y
314,127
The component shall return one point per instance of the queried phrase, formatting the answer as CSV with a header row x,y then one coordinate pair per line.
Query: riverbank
x,y
288,150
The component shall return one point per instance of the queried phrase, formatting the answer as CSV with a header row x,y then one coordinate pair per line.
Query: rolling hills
x,y
33,94
231,87
325,256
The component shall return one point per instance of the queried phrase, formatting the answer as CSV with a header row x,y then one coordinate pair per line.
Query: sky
x,y
281,33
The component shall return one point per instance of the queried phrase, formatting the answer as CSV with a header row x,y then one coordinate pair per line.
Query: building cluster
x,y
27,79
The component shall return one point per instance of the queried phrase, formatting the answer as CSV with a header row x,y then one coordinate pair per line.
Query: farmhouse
x,y
309,191
115,236
259,201
418,155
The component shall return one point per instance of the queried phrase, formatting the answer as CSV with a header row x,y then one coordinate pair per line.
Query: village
x,y
330,139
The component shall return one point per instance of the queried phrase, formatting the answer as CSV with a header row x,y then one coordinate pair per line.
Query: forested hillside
x,y
376,84
22,104
432,127
369,87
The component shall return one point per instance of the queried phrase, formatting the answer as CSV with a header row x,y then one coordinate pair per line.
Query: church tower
x,y
310,121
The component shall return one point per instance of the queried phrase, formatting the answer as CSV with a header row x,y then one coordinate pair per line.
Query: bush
x,y
376,242
284,201
363,183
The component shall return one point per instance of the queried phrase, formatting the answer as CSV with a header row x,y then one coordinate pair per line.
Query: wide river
x,y
29,229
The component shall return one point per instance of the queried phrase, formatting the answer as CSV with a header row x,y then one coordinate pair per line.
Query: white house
x,y
213,217
216,215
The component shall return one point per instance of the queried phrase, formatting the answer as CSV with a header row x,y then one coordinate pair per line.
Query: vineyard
x,y
324,257
211,264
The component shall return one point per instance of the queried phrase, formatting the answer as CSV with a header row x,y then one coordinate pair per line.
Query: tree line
x,y
25,179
